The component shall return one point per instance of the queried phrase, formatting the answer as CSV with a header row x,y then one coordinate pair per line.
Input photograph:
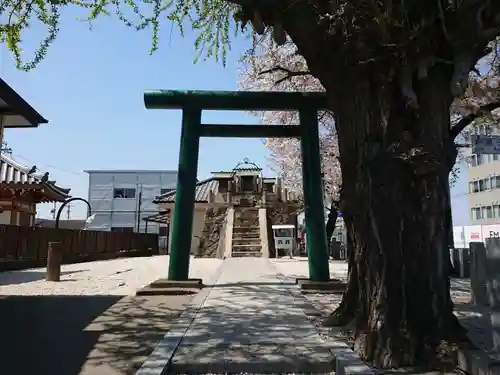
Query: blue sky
x,y
90,87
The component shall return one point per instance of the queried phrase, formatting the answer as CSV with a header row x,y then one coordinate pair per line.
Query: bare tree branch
x,y
288,73
467,120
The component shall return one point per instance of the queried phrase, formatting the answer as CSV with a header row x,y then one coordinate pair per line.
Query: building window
x,y
476,213
483,212
484,184
122,229
269,186
163,231
481,159
489,212
165,191
495,182
124,193
474,186
247,183
223,186
473,160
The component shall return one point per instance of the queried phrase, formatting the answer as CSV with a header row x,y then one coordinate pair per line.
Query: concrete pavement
x,y
252,322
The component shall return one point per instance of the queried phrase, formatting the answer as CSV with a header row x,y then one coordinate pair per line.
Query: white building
x,y
121,199
483,182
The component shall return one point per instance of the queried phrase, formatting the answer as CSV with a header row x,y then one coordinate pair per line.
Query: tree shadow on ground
x,y
252,327
91,335
477,320
28,276
252,284
258,327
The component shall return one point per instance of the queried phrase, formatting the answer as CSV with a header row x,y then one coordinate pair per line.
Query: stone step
x,y
246,210
246,236
246,225
246,241
247,213
246,218
254,218
241,254
245,229
247,248
246,222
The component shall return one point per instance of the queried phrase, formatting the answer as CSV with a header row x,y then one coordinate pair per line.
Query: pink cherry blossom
x,y
285,153
285,156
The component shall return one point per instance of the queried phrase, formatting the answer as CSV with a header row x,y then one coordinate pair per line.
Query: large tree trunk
x,y
395,179
346,311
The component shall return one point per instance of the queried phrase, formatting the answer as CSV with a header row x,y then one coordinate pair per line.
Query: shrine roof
x,y
162,217
201,193
238,170
16,112
16,176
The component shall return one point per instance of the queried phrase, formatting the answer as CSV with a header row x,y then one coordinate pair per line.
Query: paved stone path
x,y
252,322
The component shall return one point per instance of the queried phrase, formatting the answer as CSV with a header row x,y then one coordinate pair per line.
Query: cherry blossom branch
x,y
289,73
468,119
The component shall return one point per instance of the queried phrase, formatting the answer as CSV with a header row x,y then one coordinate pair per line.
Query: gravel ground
x,y
119,277
297,267
324,304
90,323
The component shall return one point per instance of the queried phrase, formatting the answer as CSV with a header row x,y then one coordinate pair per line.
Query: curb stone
x,y
159,360
346,361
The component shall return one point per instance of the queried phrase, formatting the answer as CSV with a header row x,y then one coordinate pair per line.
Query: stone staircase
x,y
246,233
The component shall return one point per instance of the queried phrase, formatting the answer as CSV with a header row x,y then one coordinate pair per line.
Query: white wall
x,y
5,218
198,223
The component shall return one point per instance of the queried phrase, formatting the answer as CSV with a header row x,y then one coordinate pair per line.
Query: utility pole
x,y
54,210
139,205
69,210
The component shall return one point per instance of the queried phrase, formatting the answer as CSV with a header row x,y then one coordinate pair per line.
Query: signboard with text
x,y
462,236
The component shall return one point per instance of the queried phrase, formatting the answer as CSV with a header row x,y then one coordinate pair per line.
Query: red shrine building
x,y
21,187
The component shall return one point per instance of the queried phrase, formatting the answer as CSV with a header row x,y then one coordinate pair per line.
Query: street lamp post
x,y
59,212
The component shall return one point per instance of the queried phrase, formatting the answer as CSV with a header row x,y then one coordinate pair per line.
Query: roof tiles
x,y
201,193
11,172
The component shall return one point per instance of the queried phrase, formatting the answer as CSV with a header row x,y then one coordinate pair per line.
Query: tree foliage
x,y
211,19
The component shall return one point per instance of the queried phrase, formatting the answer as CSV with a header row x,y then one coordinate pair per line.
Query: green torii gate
x,y
192,103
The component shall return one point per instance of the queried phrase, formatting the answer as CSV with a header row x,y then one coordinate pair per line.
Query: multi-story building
x,y
483,181
121,199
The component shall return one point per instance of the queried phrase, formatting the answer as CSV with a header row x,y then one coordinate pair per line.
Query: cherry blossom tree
x,y
270,67
280,68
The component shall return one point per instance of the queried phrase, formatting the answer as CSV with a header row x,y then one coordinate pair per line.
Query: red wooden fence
x,y
25,247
